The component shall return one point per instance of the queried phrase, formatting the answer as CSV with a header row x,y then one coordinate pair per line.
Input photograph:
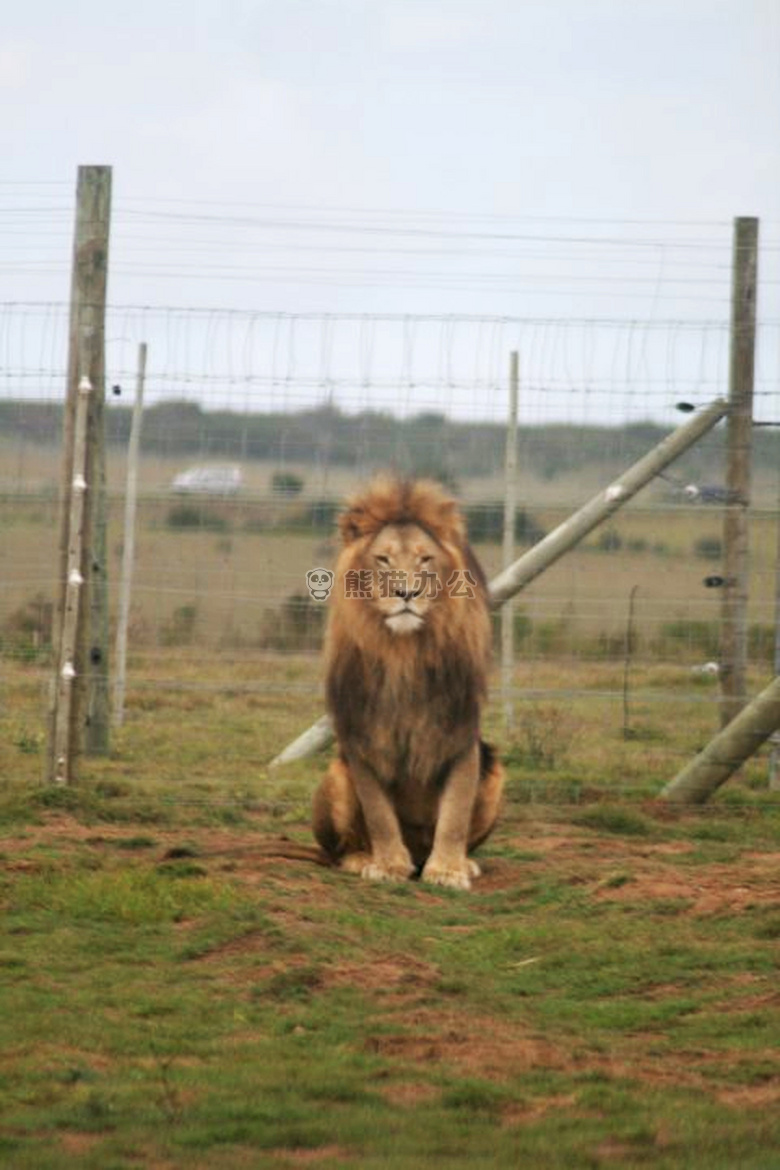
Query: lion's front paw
x,y
456,875
377,869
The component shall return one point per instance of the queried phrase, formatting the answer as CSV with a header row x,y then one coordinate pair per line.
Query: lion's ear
x,y
352,524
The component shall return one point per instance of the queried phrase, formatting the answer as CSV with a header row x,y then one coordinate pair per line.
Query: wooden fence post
x,y
774,755
128,544
733,651
87,702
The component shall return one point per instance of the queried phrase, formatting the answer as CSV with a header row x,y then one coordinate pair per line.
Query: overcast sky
x,y
520,157
615,108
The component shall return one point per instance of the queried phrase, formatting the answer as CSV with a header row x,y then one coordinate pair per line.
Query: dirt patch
x,y
708,890
751,1097
755,1003
620,870
498,874
218,844
79,1144
484,1047
386,975
525,1112
408,1094
500,1049
312,1157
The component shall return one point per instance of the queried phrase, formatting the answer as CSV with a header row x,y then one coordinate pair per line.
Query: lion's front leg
x,y
448,864
389,859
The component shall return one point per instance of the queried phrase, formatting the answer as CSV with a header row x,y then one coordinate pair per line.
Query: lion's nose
x,y
406,594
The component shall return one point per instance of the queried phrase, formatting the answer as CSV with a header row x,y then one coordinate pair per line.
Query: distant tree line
x,y
428,443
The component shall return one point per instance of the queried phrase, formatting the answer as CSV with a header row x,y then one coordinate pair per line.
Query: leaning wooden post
x,y
510,513
315,739
602,505
724,754
733,651
531,564
128,545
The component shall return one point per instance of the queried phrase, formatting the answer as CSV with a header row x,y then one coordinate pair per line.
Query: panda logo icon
x,y
320,583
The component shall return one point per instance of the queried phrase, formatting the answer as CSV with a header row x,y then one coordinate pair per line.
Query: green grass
x,y
181,987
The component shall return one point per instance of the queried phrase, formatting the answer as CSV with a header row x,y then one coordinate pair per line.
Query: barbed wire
x,y
574,370
252,250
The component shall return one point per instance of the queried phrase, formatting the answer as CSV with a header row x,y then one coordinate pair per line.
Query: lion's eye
x,y
426,560
383,560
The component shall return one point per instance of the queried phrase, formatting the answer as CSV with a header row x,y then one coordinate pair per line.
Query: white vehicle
x,y
208,481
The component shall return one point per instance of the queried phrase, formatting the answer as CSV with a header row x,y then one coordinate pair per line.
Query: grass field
x,y
183,986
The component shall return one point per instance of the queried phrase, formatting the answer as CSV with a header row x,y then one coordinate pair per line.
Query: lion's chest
x,y
408,712
414,730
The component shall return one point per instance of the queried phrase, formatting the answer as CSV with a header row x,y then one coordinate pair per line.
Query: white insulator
x,y
79,483
615,491
68,672
75,577
707,670
85,386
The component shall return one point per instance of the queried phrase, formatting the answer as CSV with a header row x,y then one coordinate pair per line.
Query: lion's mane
x,y
433,681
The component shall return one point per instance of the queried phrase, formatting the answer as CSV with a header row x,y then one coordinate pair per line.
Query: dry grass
x,y
228,579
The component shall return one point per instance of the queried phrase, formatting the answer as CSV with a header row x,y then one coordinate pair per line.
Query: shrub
x,y
27,632
708,548
624,822
190,516
485,523
610,541
552,637
180,629
522,628
297,625
287,484
544,736
319,516
699,636
761,642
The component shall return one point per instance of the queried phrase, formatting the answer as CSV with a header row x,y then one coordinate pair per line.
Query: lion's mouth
x,y
406,621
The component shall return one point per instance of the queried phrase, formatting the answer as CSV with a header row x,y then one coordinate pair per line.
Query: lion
x,y
414,788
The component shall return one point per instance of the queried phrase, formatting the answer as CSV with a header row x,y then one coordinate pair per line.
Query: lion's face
x,y
408,576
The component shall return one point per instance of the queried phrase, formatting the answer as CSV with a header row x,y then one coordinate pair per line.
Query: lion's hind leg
x,y
338,822
487,804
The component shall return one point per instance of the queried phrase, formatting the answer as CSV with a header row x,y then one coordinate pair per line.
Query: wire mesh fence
x,y
258,424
